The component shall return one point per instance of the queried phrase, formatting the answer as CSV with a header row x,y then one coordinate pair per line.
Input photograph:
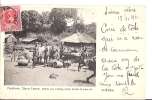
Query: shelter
x,y
78,42
10,38
10,42
31,40
78,38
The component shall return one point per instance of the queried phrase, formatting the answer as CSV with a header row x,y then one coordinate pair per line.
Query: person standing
x,y
81,60
41,52
51,54
14,53
35,54
61,51
46,53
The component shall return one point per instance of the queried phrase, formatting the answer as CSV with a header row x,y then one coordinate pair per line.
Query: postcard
x,y
72,52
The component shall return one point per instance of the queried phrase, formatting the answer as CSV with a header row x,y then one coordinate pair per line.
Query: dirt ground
x,y
41,75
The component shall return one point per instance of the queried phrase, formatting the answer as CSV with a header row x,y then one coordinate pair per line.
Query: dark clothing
x,y
61,53
51,55
45,55
34,57
81,61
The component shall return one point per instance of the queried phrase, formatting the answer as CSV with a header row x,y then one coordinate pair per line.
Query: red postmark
x,y
10,18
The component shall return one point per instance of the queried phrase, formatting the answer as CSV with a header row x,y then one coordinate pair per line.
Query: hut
x,y
10,38
78,39
31,40
10,42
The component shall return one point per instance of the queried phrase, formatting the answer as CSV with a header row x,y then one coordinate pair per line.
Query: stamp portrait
x,y
10,18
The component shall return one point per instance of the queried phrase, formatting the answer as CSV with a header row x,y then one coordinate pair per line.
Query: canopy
x,y
79,38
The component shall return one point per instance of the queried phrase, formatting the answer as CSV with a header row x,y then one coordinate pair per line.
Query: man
x,y
10,20
35,54
41,51
46,53
14,53
52,52
61,51
81,60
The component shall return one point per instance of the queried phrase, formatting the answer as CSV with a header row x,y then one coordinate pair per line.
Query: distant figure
x,y
51,53
57,54
46,54
40,53
61,51
35,54
81,60
14,53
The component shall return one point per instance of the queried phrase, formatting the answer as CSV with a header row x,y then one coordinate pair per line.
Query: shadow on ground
x,y
83,81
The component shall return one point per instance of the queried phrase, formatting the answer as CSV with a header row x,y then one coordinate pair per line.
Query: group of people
x,y
43,53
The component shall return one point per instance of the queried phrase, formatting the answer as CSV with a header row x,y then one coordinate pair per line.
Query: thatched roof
x,y
79,38
10,38
30,40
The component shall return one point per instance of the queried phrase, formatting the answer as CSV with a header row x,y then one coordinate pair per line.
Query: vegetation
x,y
52,23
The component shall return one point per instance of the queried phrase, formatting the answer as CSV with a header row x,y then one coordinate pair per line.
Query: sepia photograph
x,y
55,47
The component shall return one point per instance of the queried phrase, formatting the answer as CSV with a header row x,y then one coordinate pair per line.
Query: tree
x,y
31,22
45,17
46,23
58,17
70,12
58,21
79,25
91,29
25,20
34,21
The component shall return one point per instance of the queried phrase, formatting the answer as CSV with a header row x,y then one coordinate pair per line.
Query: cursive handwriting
x,y
106,28
122,37
110,11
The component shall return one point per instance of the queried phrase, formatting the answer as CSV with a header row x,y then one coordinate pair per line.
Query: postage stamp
x,y
10,18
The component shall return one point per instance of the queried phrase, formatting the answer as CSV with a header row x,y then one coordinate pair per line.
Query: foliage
x,y
53,22
58,17
79,27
